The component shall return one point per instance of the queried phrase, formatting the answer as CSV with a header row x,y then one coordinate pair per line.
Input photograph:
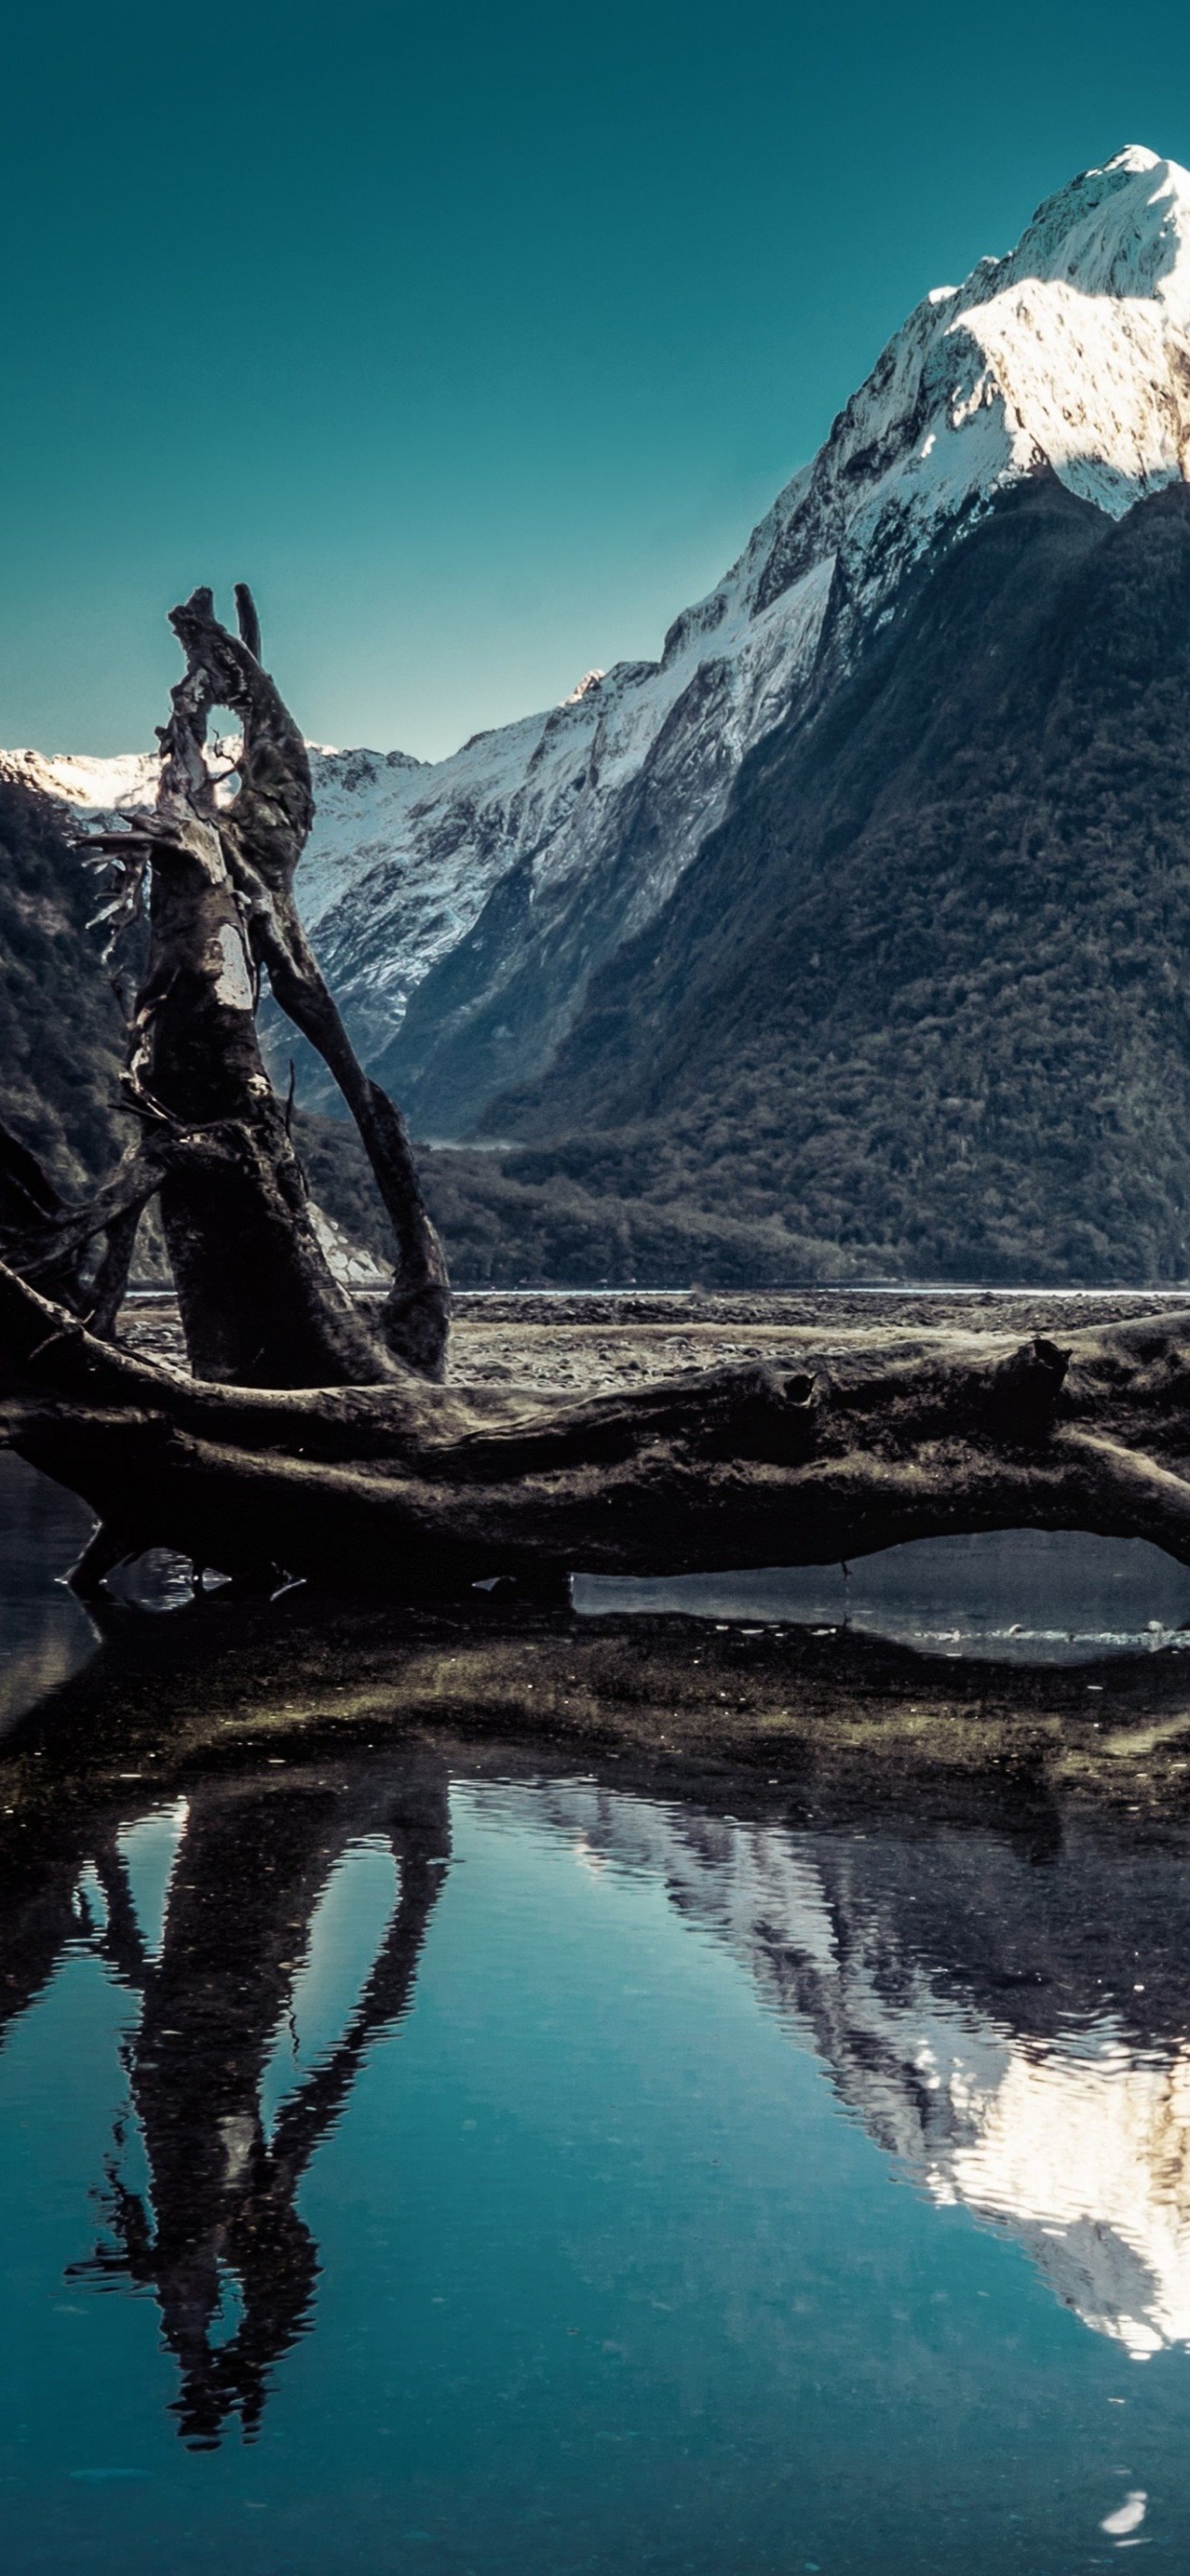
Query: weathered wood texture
x,y
406,1486
259,1304
263,833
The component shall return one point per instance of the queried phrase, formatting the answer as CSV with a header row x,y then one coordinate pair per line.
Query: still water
x,y
1005,1596
431,2159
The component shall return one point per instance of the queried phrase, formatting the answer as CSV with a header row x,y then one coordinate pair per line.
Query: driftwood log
x,y
410,1486
259,1304
314,1440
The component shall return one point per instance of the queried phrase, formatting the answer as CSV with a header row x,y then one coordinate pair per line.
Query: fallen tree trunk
x,y
310,1442
409,1486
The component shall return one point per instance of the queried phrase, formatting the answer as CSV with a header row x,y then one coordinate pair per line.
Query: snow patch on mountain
x,y
357,794
1072,352
120,785
553,795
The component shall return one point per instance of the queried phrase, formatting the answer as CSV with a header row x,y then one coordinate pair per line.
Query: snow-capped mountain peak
x,y
1121,231
482,889
1072,351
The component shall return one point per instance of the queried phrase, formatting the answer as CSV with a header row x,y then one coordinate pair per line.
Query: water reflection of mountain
x,y
1013,2025
244,1869
1010,2019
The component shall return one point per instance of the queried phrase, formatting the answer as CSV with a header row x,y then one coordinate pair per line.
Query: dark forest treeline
x,y
61,1032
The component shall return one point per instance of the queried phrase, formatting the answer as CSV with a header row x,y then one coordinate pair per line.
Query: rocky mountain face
x,y
847,934
555,842
925,997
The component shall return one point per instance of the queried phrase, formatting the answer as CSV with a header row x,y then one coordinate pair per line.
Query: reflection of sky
x,y
348,1925
149,1850
611,2277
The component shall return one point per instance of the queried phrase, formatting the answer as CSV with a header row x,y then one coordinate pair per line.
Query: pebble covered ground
x,y
582,1343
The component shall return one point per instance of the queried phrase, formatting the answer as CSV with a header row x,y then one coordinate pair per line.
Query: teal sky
x,y
475,339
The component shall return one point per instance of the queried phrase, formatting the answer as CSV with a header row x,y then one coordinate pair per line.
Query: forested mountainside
x,y
61,1050
553,843
61,1032
925,995
920,1008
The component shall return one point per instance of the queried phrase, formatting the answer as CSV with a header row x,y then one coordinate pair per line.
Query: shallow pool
x,y
415,2156
402,2168
1005,1596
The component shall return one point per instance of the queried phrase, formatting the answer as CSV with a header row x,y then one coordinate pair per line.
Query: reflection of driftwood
x,y
224,2194
376,1487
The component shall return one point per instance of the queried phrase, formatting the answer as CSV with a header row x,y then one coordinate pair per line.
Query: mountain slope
x,y
1073,352
61,1035
461,907
926,993
849,935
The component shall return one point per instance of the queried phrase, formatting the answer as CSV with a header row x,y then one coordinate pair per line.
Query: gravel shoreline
x,y
579,1342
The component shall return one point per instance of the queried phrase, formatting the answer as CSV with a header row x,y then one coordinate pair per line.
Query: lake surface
x,y
431,2158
